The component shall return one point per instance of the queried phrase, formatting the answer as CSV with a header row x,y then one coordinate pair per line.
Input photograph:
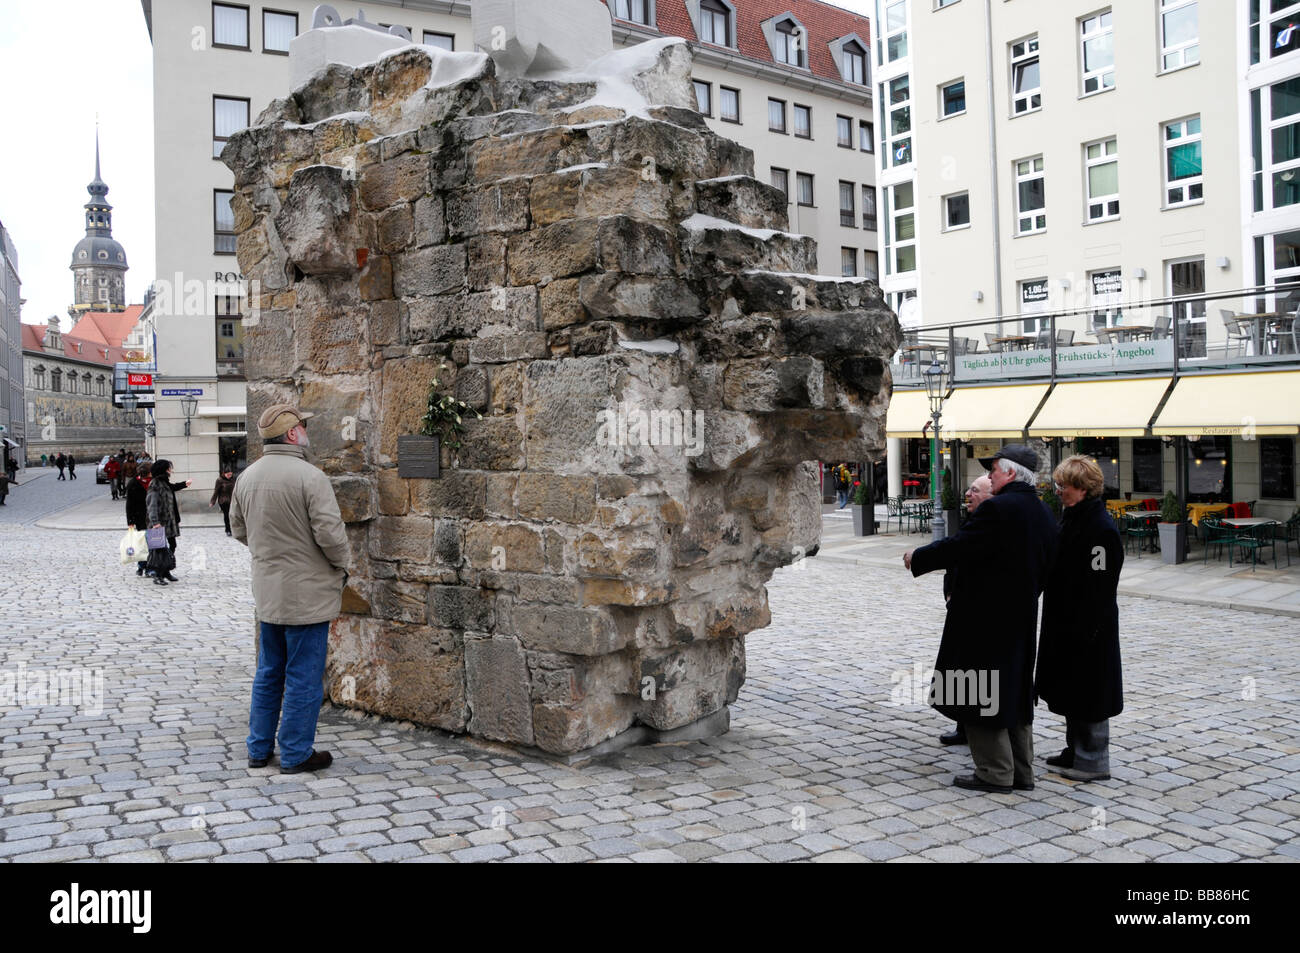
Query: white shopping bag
x,y
133,547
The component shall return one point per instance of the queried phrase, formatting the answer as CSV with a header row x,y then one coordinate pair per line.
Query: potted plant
x,y
949,503
1173,530
418,455
859,508
1047,493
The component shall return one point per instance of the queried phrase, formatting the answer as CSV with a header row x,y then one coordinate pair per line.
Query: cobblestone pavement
x,y
40,492
818,765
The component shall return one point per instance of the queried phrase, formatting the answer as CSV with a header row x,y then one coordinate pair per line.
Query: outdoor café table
x,y
1259,325
1117,507
1248,521
1195,511
1122,334
1016,342
938,352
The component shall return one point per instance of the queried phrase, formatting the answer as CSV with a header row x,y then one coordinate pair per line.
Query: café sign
x,y
1088,359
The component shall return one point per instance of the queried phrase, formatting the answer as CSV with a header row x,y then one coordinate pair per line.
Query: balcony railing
x,y
1250,328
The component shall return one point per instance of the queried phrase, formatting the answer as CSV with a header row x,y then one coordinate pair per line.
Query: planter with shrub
x,y
1173,530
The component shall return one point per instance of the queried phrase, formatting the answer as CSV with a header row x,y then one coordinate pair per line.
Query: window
x,y
870,264
1277,468
277,30
848,211
229,26
803,121
1148,466
952,99
636,11
1026,87
100,386
1209,469
72,382
940,4
956,211
1098,39
223,222
776,115
1277,146
443,41
38,375
715,23
781,180
1183,183
230,336
804,183
729,103
1102,164
849,262
1034,295
1179,34
1031,196
56,381
789,44
1182,278
853,65
704,97
1280,24
895,34
904,228
900,120
844,132
1107,292
869,208
1105,450
866,136
228,117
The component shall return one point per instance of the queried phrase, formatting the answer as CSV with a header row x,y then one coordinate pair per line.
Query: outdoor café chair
x,y
1215,534
920,515
1253,539
894,511
993,346
1064,338
1140,530
1238,334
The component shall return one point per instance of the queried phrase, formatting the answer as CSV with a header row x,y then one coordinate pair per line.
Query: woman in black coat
x,y
162,510
136,513
1078,651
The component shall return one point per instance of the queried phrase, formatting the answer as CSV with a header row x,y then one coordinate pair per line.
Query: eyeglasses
x,y
1059,488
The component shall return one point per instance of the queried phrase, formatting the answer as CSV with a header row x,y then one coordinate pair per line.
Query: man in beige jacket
x,y
285,512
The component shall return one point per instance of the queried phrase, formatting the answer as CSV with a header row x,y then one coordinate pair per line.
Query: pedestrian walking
x,y
843,483
984,674
119,483
1079,673
12,467
137,511
72,467
162,510
4,486
284,509
221,494
128,469
980,490
111,470
45,461
60,461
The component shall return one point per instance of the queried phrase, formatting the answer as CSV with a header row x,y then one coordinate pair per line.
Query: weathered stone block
x,y
497,208
403,179
496,677
429,271
547,496
571,630
554,251
504,548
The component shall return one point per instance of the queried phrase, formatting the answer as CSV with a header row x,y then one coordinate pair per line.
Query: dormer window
x,y
791,46
715,23
635,11
854,63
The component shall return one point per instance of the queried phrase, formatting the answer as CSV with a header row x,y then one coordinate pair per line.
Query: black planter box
x,y
417,458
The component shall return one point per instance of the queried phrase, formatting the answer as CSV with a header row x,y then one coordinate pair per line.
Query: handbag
x,y
161,561
133,547
156,537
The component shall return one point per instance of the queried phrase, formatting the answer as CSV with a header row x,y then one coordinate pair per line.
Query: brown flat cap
x,y
279,420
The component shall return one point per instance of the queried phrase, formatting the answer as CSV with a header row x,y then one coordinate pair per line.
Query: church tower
x,y
98,262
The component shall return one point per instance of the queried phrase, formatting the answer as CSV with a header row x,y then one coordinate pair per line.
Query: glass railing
x,y
1252,328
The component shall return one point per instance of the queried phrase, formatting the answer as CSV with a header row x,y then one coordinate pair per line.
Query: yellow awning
x,y
1232,405
909,412
1111,408
995,412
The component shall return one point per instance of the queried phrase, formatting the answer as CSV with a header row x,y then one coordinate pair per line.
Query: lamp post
x,y
188,407
129,403
936,388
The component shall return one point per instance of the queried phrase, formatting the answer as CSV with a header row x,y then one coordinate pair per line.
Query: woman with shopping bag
x,y
137,516
164,514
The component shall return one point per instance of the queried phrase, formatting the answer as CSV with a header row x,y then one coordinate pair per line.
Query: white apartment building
x,y
789,79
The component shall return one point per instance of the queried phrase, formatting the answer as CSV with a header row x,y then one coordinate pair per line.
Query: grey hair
x,y
1018,472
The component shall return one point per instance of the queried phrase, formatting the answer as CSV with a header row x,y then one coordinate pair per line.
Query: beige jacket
x,y
284,510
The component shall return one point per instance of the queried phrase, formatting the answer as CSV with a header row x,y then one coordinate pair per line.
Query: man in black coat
x,y
984,674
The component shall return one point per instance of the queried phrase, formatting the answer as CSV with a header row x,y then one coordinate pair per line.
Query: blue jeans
x,y
843,497
290,664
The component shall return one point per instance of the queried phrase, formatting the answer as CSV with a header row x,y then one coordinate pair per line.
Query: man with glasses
x,y
984,674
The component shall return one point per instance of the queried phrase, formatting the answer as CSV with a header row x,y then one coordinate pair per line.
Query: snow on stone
x,y
700,222
613,73
657,346
584,167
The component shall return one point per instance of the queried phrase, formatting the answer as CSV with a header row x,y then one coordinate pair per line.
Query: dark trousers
x,y
1089,741
1002,755
61,473
225,514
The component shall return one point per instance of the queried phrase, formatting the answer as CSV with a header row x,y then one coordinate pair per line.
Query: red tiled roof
x,y
823,21
75,348
107,327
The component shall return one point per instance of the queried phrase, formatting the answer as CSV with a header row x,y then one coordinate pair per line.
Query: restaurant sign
x,y
1086,359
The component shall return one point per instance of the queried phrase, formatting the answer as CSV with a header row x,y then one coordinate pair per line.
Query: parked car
x,y
101,474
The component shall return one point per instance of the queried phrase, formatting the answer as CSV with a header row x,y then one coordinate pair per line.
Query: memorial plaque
x,y
417,458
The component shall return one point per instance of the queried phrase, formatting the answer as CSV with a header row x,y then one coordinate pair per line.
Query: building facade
x,y
13,436
789,80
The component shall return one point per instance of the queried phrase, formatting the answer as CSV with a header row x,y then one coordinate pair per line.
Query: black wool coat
x,y
136,511
1078,653
1002,557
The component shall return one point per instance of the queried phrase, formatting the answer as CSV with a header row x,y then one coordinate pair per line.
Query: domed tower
x,y
98,262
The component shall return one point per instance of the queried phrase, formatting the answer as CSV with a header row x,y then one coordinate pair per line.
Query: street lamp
x,y
936,388
129,403
188,407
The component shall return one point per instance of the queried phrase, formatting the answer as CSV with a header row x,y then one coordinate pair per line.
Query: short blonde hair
x,y
1082,473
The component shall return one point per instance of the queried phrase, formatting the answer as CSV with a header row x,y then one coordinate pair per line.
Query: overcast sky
x,y
56,80
57,75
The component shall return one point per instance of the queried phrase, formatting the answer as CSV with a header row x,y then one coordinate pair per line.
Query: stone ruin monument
x,y
654,360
